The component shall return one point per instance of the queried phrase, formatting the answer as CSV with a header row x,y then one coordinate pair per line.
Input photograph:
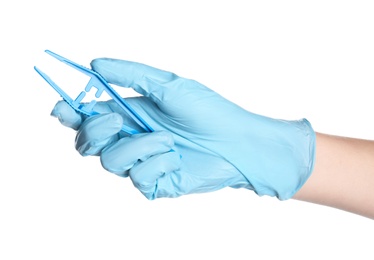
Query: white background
x,y
283,59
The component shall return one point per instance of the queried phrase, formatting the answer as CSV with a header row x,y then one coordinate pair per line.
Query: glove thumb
x,y
154,83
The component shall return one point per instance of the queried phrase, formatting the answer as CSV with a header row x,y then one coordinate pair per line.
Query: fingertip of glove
x,y
115,118
165,137
97,132
96,64
103,124
108,68
66,115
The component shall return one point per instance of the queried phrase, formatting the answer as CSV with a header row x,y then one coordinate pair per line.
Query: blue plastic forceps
x,y
99,83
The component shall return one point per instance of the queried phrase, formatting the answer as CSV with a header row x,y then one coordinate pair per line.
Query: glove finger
x,y
67,115
151,82
97,132
124,154
145,175
71,118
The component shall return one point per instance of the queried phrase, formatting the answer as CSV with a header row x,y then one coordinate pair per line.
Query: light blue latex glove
x,y
202,142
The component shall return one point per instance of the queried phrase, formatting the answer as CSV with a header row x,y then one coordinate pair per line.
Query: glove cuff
x,y
280,159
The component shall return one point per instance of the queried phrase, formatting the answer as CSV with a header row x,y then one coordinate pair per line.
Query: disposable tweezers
x,y
100,84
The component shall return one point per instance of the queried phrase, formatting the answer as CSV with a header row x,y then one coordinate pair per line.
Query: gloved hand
x,y
201,143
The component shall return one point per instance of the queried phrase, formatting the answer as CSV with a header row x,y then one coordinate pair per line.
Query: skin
x,y
343,176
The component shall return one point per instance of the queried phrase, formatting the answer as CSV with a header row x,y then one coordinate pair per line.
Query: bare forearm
x,y
343,176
